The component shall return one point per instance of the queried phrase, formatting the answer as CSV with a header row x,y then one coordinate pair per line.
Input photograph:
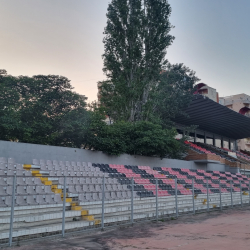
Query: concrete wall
x,y
24,153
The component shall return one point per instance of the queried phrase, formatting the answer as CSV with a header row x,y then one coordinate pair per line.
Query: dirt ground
x,y
226,230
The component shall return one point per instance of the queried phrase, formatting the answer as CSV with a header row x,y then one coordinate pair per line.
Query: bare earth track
x,y
226,230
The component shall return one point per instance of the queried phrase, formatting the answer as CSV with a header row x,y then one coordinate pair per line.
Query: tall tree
x,y
135,42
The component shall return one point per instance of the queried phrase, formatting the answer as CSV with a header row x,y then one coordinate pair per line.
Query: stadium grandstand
x,y
48,190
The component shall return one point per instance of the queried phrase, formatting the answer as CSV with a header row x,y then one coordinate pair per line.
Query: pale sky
x,y
64,37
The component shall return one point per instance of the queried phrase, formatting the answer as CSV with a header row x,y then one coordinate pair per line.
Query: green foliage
x,y
173,93
138,138
42,109
9,105
135,43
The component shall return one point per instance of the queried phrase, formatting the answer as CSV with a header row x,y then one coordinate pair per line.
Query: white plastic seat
x,y
73,164
49,199
72,189
54,162
3,180
3,159
42,162
69,181
75,180
9,190
95,197
98,188
41,199
82,197
44,168
71,173
79,164
20,173
60,173
21,190
100,195
89,196
3,190
89,164
58,168
31,200
21,200
107,196
96,174
10,172
85,188
124,187
129,194
67,163
119,195
97,169
29,181
49,162
10,180
99,180
2,203
61,180
82,181
92,188
3,166
124,194
78,188
94,180
19,167
84,164
113,195
35,162
37,181
51,167
85,174
90,174
11,166
88,180
108,187
27,173
8,201
57,198
109,180
31,190
2,172
61,163
47,189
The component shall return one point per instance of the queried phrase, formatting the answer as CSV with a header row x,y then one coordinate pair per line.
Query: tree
x,y
136,39
173,93
42,109
137,138
9,105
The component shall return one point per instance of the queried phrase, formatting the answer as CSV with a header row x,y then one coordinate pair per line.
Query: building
x,y
241,104
207,91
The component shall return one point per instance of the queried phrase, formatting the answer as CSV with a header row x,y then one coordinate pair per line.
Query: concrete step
x,y
45,228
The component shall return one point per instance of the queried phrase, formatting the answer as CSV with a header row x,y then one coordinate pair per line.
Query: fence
x,y
74,203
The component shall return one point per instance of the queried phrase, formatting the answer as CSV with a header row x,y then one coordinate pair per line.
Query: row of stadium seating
x,y
39,192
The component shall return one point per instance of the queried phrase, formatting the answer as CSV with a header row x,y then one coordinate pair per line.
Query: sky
x,y
64,37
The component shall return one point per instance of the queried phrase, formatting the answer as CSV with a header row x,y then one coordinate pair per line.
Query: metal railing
x,y
102,202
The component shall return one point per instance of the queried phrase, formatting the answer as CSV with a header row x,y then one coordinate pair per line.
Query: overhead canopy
x,y
215,118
